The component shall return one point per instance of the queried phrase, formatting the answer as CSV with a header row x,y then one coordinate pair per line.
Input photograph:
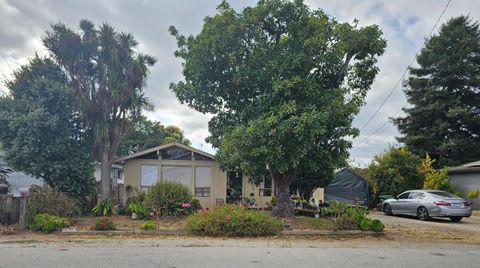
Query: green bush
x,y
49,223
170,199
233,220
139,209
348,217
474,194
44,199
104,224
105,208
148,225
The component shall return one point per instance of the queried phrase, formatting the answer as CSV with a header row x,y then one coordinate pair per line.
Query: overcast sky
x,y
405,25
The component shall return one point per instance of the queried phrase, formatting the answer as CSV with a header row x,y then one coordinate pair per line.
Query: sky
x,y
405,25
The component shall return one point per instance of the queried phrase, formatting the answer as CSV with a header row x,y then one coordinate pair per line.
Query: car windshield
x,y
443,194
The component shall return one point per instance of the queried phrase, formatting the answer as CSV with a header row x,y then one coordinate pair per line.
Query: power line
x,y
406,69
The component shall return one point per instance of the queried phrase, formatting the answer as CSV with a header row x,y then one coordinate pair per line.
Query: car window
x,y
404,196
417,195
442,194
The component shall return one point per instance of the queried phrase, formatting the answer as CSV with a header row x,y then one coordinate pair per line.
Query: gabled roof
x,y
161,147
467,167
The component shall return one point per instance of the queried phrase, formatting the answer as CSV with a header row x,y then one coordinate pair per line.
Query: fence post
x,y
21,221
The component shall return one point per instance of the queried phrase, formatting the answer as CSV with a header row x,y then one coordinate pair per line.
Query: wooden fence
x,y
10,209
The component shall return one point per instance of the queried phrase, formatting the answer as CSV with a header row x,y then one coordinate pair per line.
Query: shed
x,y
347,186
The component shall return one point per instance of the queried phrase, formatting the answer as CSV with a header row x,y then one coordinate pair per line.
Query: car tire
x,y
387,210
456,218
422,214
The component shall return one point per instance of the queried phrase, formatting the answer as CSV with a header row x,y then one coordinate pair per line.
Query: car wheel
x,y
456,218
422,214
387,209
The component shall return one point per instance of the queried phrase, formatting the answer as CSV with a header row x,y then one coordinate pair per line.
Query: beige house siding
x,y
218,182
247,188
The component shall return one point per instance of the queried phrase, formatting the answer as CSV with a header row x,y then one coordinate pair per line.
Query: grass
x,y
320,223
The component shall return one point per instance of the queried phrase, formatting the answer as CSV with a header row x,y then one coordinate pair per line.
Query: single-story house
x,y
348,186
196,169
466,178
18,180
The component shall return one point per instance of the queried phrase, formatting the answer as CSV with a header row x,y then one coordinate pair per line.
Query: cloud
x,y
404,23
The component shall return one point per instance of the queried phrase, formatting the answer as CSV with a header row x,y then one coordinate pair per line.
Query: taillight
x,y
442,203
467,204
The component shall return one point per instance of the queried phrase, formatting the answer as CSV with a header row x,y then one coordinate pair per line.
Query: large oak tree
x,y
444,93
283,82
108,75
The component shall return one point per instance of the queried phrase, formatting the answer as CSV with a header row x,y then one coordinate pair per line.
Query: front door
x,y
234,187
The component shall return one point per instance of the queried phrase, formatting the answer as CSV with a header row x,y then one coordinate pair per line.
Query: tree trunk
x,y
105,175
282,185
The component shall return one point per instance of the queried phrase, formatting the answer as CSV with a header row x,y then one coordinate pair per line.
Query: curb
x,y
178,232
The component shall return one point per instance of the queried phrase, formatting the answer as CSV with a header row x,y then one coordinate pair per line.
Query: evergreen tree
x,y
444,91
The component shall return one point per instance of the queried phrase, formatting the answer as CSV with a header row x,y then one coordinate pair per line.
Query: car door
x,y
412,203
400,203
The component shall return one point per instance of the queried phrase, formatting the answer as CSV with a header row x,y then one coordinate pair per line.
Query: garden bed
x,y
125,222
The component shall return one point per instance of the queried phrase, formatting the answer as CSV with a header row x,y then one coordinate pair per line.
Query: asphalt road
x,y
237,253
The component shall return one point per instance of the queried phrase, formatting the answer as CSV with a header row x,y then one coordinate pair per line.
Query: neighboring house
x,y
18,180
466,178
116,182
196,169
347,186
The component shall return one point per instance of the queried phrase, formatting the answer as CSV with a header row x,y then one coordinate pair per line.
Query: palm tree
x,y
108,76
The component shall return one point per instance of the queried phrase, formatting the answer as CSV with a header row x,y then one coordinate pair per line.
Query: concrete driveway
x,y
468,228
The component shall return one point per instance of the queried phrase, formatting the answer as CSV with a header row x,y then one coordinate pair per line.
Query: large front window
x,y
149,176
266,186
202,181
181,174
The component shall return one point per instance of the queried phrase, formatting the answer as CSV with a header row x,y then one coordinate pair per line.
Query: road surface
x,y
237,253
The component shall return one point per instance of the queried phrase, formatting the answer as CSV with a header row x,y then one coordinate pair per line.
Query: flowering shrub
x,y
104,224
49,223
232,220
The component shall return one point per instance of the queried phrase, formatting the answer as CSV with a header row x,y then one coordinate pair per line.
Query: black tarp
x,y
347,186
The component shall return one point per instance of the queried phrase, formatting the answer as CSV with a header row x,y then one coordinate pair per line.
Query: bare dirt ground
x,y
404,227
87,223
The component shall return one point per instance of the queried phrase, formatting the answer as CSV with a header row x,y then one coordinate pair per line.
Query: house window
x,y
266,186
181,174
176,153
149,176
202,181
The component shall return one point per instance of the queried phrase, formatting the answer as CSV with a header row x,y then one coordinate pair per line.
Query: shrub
x,y
348,217
105,208
148,225
474,194
233,220
139,209
49,223
44,199
170,199
104,224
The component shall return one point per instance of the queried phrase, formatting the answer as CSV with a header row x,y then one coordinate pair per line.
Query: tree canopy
x,y
143,134
395,171
41,129
107,75
444,91
283,83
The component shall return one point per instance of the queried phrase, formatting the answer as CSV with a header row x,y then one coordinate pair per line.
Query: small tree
x,y
434,180
395,171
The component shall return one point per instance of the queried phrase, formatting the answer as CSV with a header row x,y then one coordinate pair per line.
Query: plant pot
x,y
134,216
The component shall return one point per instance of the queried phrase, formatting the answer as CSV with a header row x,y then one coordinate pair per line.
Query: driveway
x,y
468,228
